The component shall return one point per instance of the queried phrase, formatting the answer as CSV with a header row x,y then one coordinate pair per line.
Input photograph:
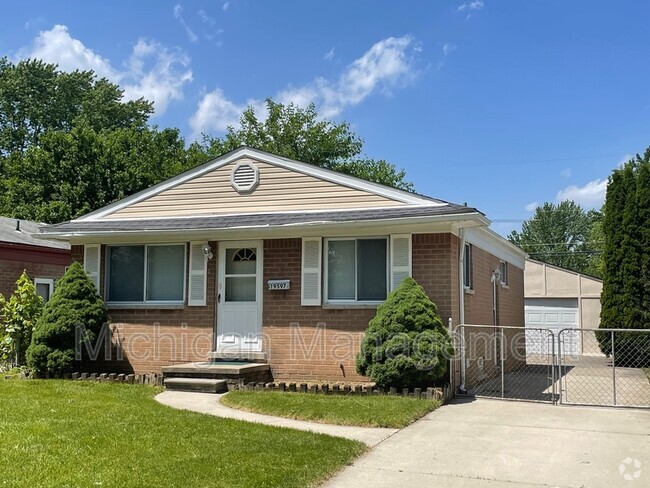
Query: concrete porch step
x,y
238,355
203,385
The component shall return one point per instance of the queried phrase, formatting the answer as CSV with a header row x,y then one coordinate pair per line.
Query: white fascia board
x,y
308,169
491,242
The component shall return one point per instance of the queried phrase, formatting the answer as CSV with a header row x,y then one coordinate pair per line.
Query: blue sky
x,y
500,104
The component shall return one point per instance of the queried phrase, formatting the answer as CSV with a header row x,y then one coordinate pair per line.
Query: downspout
x,y
461,303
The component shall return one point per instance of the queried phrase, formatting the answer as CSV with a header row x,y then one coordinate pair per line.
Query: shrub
x,y
405,344
18,316
75,302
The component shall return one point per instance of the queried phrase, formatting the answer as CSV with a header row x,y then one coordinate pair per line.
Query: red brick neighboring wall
x,y
143,340
38,264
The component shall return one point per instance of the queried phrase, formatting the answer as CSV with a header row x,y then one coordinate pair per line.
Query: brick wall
x,y
478,311
478,305
305,343
316,343
36,264
148,338
435,267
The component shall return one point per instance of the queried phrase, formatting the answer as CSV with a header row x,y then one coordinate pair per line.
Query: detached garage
x,y
557,298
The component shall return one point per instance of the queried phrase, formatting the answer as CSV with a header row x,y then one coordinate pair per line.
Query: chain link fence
x,y
513,363
608,367
611,367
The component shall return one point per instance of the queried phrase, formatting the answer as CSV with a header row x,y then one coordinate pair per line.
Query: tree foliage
x,y
299,133
564,235
18,316
405,344
70,144
626,286
75,313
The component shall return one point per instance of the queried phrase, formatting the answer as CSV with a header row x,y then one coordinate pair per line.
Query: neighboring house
x,y
558,298
255,256
44,260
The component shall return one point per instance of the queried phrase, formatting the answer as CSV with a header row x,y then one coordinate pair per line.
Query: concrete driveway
x,y
492,443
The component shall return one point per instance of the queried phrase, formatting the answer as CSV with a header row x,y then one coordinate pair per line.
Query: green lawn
x,y
367,411
82,434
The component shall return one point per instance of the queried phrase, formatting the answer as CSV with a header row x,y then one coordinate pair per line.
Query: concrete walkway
x,y
210,404
493,443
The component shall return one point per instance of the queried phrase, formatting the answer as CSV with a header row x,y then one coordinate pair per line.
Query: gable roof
x,y
15,231
392,196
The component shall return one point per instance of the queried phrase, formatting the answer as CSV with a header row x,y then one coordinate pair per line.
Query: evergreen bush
x,y
75,303
405,344
626,285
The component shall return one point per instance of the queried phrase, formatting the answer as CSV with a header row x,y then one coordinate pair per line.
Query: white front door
x,y
239,296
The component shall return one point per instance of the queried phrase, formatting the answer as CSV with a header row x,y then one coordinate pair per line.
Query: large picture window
x,y
146,273
357,269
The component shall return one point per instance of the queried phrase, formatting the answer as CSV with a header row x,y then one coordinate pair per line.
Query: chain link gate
x,y
606,367
612,367
507,362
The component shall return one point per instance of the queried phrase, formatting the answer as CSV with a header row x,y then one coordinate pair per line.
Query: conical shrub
x,y
74,304
405,344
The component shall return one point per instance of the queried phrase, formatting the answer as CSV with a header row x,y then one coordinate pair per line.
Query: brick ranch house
x,y
256,257
44,260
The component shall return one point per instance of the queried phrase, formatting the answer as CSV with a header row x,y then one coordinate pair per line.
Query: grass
x,y
366,411
82,434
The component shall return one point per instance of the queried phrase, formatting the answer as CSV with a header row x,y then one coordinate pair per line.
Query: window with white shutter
x,y
92,262
400,259
311,271
197,286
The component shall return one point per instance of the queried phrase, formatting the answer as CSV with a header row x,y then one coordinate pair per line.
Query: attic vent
x,y
245,177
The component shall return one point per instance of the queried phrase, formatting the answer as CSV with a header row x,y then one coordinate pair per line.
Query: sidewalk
x,y
210,404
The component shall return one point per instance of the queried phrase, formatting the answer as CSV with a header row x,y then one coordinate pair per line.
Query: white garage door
x,y
554,314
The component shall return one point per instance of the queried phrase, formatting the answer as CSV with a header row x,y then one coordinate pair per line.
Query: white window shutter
x,y
198,276
92,262
400,259
311,271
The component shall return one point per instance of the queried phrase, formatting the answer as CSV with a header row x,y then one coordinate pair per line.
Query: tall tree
x,y
625,298
36,97
299,133
562,235
70,144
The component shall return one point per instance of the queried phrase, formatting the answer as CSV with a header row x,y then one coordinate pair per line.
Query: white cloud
x,y
57,46
178,15
591,195
566,173
329,55
531,207
448,48
473,5
387,64
226,5
206,19
162,82
152,71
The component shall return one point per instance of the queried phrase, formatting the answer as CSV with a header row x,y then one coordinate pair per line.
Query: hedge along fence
x,y
152,379
445,393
